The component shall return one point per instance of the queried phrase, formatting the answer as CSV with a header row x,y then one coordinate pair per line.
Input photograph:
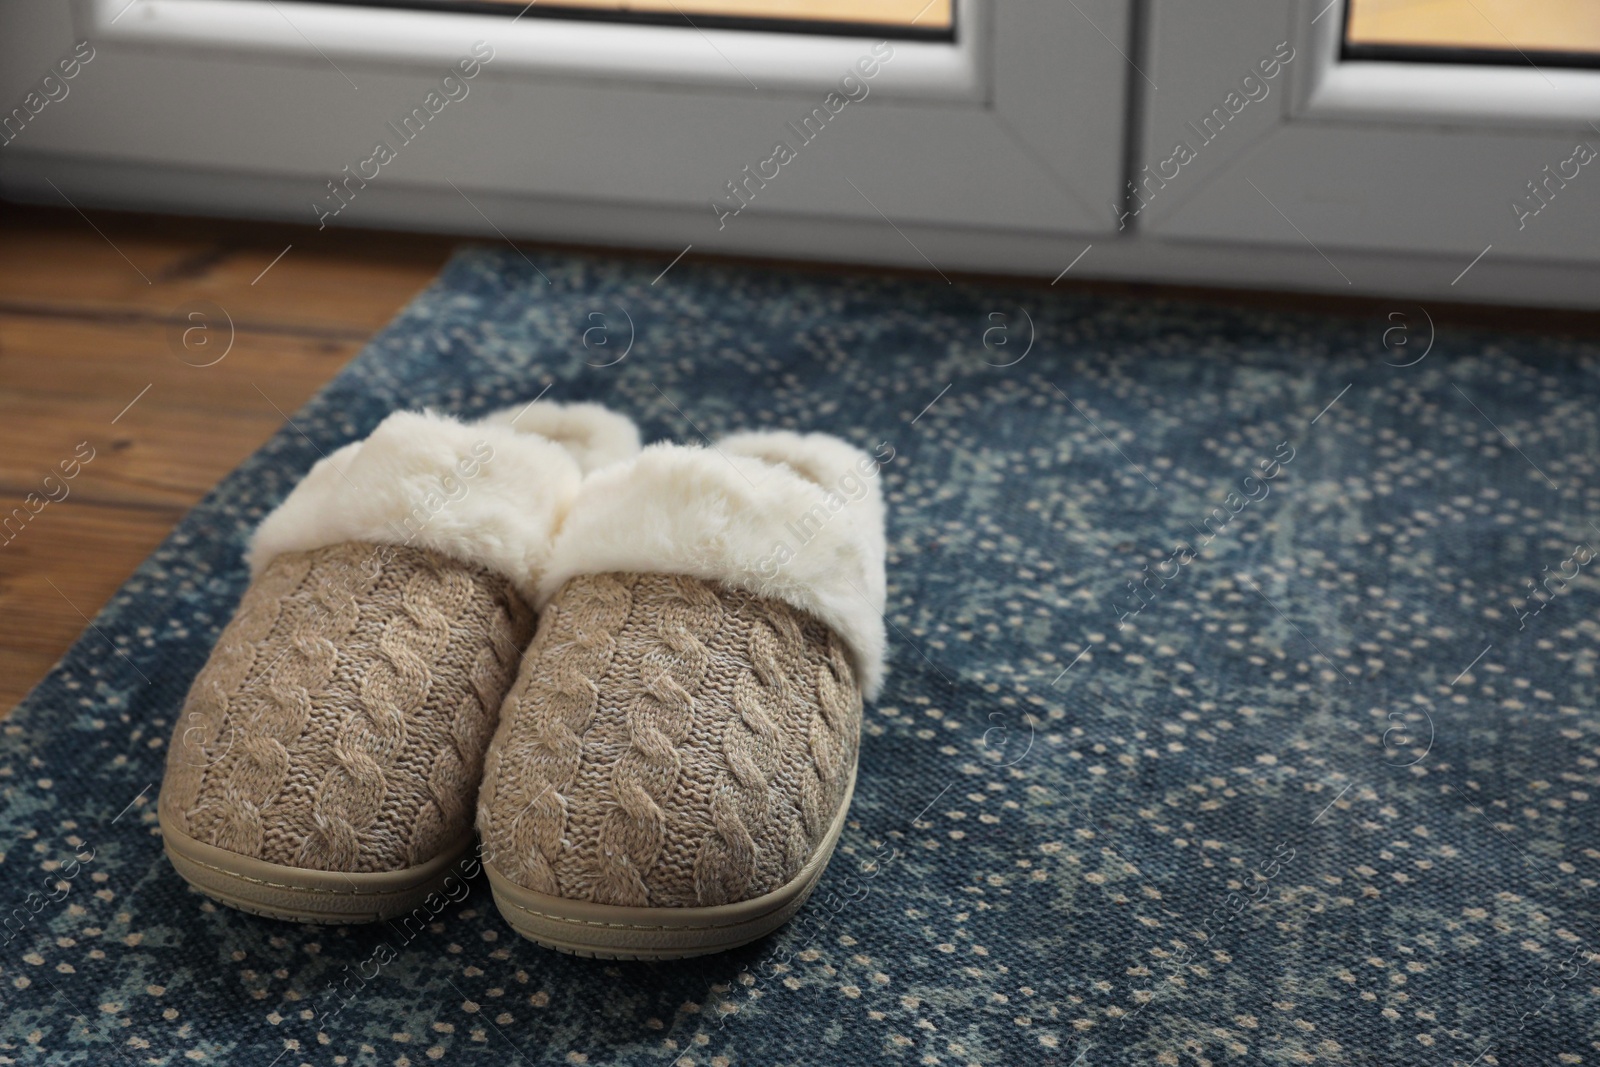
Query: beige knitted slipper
x,y
325,764
674,764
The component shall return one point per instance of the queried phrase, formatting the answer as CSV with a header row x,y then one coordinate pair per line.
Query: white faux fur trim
x,y
596,436
797,518
481,493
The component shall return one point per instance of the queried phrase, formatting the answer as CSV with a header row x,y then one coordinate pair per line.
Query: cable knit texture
x,y
669,742
340,723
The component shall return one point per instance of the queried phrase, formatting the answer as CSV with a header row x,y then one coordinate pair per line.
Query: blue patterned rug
x,y
1242,704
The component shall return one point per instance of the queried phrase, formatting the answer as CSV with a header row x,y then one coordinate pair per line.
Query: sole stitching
x,y
504,903
347,894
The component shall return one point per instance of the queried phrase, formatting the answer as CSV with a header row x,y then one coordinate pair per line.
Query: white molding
x,y
1198,54
1518,97
393,38
1397,276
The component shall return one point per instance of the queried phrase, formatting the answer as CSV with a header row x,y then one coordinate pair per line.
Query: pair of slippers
x,y
639,673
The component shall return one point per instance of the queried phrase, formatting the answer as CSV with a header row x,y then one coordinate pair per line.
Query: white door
x,y
1439,172
809,144
1245,143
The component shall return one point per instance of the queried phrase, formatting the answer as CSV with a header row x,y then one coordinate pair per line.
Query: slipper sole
x,y
301,895
609,931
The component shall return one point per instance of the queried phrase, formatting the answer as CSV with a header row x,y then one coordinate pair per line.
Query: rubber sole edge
x,y
609,931
298,894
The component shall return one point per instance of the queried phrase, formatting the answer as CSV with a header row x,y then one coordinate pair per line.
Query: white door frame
x,y
1006,151
1017,124
1375,157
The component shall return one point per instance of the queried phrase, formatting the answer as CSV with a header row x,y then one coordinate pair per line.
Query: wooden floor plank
x,y
82,335
161,458
344,281
61,569
19,669
162,432
78,359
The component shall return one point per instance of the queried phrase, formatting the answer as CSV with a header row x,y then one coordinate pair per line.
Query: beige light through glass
x,y
1498,25
913,14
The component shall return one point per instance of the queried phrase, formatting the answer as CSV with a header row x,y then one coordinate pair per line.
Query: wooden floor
x,y
91,333
93,355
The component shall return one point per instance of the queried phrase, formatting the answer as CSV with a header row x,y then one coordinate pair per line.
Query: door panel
x,y
1017,124
1416,158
